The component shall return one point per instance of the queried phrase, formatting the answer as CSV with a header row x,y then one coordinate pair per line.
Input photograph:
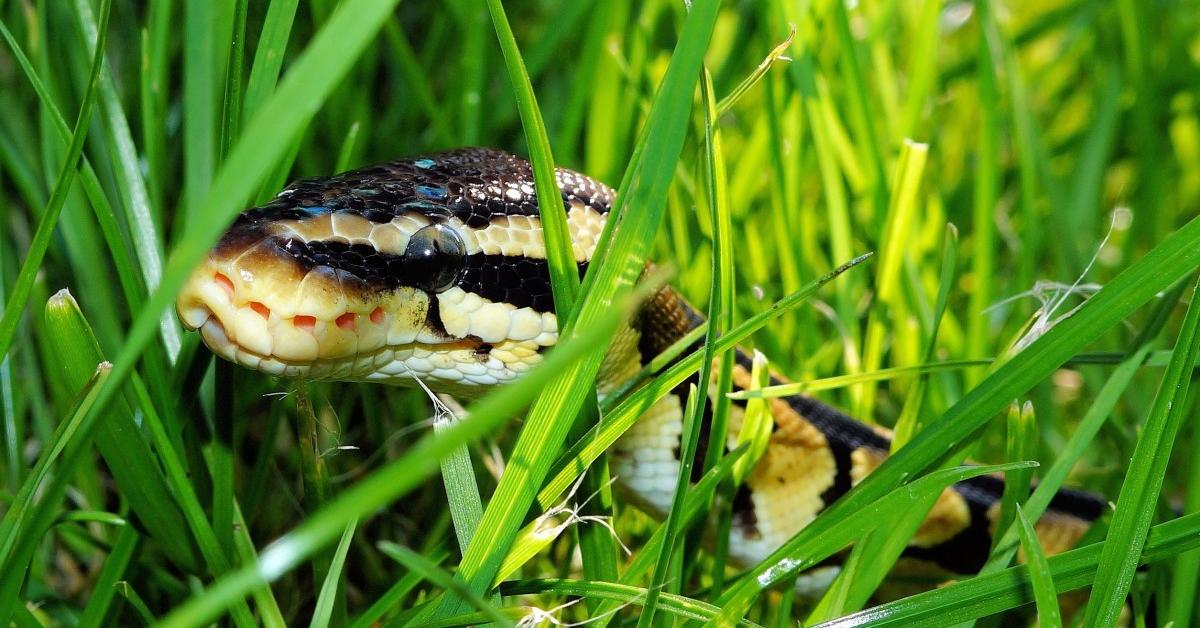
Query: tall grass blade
x,y
1144,480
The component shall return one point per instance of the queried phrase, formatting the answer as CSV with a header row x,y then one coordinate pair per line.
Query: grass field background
x,y
1026,174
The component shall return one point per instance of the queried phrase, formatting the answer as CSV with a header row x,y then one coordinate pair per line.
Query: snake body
x,y
434,267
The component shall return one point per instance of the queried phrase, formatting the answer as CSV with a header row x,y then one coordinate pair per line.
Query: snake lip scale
x,y
434,267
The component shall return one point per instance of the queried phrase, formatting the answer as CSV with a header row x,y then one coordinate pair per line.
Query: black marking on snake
x,y
967,551
472,184
521,281
743,513
433,318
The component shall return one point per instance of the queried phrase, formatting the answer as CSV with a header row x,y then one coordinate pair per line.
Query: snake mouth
x,y
387,362
255,308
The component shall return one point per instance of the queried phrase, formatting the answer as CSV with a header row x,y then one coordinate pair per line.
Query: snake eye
x,y
434,257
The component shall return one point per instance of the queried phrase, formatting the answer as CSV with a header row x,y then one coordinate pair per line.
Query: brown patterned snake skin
x,y
433,267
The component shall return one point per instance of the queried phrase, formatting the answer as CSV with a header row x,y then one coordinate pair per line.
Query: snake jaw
x,y
253,306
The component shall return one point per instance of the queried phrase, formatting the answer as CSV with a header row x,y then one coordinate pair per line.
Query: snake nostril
x,y
225,283
307,323
347,321
260,309
377,315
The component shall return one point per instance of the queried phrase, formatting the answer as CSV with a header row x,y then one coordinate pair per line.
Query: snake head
x,y
411,269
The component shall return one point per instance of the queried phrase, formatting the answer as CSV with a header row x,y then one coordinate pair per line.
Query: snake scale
x,y
433,267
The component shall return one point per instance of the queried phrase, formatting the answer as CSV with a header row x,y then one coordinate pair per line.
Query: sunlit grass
x,y
976,147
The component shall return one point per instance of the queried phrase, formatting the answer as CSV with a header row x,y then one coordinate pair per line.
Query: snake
x,y
433,268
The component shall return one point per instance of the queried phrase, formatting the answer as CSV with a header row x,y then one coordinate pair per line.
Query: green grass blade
x,y
625,244
983,245
458,475
115,566
699,496
153,98
419,564
923,67
105,216
268,608
909,421
1020,444
564,274
720,310
395,594
232,101
777,54
1040,577
1143,481
678,605
920,492
870,561
1185,573
329,589
200,106
687,457
896,246
1081,439
268,56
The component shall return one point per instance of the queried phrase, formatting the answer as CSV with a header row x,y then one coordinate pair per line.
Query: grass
x,y
976,146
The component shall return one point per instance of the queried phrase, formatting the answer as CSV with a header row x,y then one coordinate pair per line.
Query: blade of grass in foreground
x,y
1185,573
390,482
1172,259
564,274
895,246
268,56
328,595
678,605
626,240
908,497
597,549
699,496
417,563
396,593
671,527
115,566
1144,480
719,312
1049,614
